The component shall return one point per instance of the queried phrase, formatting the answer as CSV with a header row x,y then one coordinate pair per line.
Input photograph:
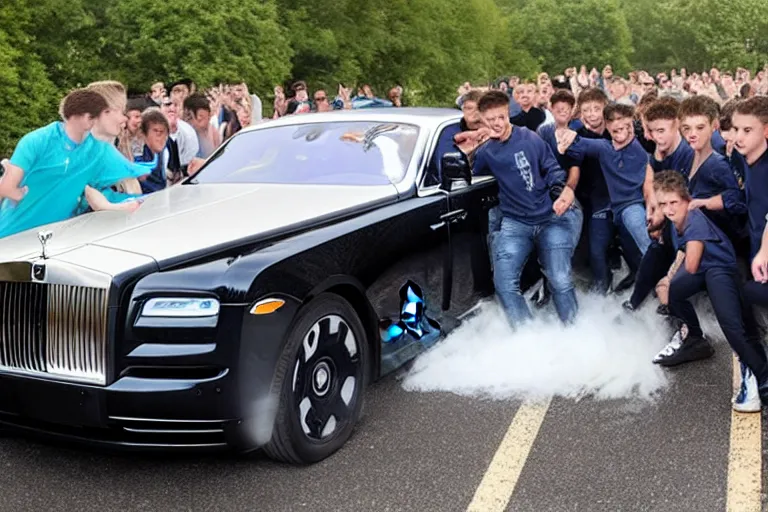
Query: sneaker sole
x,y
689,358
748,408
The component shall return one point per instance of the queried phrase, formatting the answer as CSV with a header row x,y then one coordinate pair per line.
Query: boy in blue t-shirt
x,y
709,266
52,166
537,211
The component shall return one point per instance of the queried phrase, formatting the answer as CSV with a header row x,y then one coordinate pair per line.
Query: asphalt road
x,y
424,452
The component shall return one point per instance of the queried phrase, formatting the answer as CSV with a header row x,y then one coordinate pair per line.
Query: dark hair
x,y
699,106
647,100
755,106
671,181
562,96
745,90
195,103
473,95
593,94
616,111
726,114
82,102
139,104
298,84
492,99
153,117
664,109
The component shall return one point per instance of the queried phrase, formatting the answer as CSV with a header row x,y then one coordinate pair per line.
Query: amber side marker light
x,y
267,306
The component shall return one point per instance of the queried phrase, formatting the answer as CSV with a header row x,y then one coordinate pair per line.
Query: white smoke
x,y
606,354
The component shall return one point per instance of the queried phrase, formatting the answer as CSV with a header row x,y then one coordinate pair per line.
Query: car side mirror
x,y
455,171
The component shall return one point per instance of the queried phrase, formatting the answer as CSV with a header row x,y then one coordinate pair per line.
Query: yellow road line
x,y
744,458
501,477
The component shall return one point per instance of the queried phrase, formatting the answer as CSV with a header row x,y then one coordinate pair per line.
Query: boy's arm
x,y
573,146
760,261
480,165
694,250
555,177
574,173
115,167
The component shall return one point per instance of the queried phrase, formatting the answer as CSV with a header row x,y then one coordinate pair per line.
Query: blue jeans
x,y
632,220
555,241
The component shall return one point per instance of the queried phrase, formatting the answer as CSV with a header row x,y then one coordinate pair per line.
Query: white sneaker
x,y
747,398
673,346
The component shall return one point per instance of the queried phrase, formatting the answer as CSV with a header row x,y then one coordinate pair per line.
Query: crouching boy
x,y
710,265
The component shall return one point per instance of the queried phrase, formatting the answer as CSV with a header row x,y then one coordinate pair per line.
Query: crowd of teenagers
x,y
672,172
668,172
108,151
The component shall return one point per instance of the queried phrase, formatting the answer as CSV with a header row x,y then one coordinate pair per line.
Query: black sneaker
x,y
662,310
625,284
692,348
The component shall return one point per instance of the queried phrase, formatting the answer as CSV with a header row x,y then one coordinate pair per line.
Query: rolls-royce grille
x,y
54,329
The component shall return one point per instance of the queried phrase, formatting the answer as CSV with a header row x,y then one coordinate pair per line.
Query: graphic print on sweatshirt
x,y
525,170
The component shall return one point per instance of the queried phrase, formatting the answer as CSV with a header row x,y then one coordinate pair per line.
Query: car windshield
x,y
339,153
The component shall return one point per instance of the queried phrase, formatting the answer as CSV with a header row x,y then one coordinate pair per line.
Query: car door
x,y
467,267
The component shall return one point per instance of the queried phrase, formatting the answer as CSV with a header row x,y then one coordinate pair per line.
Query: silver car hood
x,y
188,218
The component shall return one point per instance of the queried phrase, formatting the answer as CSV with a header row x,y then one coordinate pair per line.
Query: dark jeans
x,y
653,267
731,310
602,231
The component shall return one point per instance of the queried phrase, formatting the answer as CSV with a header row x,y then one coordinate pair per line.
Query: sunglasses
x,y
320,98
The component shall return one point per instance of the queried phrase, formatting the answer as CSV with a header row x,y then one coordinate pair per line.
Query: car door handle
x,y
454,216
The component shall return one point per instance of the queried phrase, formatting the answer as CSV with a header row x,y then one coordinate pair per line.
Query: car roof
x,y
420,116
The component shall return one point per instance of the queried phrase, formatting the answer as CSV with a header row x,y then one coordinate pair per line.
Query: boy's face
x,y
749,133
112,120
621,130
562,113
156,137
674,207
663,133
697,130
592,114
134,121
497,119
201,119
525,95
471,114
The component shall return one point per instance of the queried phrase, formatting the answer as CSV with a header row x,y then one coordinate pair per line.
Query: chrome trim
x,y
155,431
173,445
53,330
430,150
123,418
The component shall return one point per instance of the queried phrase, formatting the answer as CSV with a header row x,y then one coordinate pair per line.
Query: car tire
x,y
320,377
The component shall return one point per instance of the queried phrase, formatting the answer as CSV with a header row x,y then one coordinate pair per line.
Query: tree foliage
x,y
48,47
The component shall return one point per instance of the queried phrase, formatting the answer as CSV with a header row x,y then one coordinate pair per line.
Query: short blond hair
x,y
112,91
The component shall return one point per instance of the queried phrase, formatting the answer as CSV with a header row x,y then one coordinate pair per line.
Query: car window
x,y
338,153
444,145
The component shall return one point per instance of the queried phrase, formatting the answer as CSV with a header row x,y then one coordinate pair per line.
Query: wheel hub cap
x,y
321,379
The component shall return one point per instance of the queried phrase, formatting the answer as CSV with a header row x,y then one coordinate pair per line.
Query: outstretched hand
x,y
563,202
565,138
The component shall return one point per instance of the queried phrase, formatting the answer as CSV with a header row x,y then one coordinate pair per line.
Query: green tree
x,y
28,98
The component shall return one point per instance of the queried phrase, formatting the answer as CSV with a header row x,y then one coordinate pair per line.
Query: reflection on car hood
x,y
188,218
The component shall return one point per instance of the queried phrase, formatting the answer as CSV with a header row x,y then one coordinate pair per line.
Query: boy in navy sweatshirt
x,y
710,266
628,176
672,152
537,211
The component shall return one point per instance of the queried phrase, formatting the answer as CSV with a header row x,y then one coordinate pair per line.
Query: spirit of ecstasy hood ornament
x,y
45,237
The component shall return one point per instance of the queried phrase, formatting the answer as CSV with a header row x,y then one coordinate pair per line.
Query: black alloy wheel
x,y
322,374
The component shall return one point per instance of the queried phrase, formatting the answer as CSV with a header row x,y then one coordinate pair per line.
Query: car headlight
x,y
181,307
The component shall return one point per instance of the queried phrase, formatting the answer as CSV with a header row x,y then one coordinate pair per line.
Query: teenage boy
x,y
627,175
593,191
711,180
52,166
536,206
710,265
529,116
562,103
672,152
735,159
199,110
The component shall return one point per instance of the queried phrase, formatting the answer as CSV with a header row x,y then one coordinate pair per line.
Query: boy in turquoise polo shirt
x,y
52,166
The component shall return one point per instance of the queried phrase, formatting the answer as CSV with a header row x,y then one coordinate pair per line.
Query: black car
x,y
250,305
